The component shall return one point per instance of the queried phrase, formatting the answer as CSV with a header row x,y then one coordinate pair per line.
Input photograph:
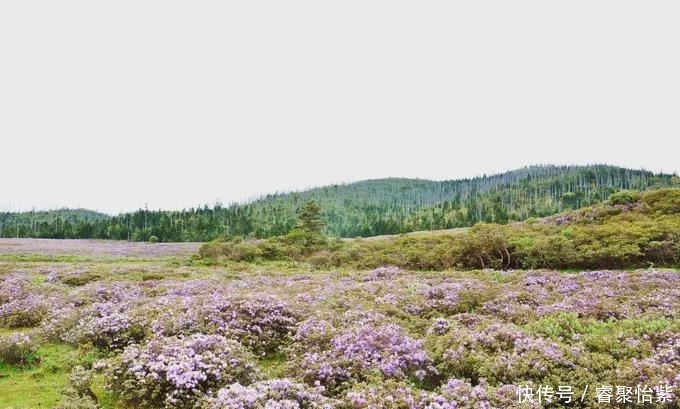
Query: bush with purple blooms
x,y
211,337
271,394
500,353
353,355
23,311
175,372
109,326
453,394
260,321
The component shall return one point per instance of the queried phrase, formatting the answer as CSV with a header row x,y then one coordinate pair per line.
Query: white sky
x,y
108,105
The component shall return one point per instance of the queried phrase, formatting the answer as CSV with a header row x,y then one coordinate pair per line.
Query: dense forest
x,y
367,208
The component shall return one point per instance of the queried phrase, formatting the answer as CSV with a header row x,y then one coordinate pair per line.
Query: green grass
x,y
38,386
274,366
105,399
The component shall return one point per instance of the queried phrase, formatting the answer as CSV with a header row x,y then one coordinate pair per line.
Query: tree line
x,y
362,209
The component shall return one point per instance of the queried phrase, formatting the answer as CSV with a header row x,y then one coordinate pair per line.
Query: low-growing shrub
x,y
107,326
383,350
260,322
18,349
76,280
23,312
631,230
152,276
271,394
71,400
624,197
175,372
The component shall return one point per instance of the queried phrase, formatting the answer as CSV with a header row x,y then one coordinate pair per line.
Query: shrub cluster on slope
x,y
630,230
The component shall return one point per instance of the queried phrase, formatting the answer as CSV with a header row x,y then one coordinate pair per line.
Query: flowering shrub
x,y
453,394
72,400
17,349
355,353
173,372
662,367
388,338
260,322
272,394
383,273
450,298
314,334
23,311
387,395
108,326
440,327
500,353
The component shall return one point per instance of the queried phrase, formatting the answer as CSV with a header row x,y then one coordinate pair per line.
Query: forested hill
x,y
367,208
36,223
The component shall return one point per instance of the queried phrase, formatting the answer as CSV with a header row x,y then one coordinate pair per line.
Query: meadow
x,y
97,324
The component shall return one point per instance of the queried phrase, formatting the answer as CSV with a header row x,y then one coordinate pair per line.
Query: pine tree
x,y
310,219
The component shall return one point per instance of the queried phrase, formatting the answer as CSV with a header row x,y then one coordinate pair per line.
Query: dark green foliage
x,y
309,218
80,279
362,209
606,235
54,224
152,276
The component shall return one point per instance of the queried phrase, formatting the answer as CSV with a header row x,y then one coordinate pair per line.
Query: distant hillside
x,y
31,224
376,207
631,229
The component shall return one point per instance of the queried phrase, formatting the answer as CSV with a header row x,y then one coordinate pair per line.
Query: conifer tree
x,y
310,219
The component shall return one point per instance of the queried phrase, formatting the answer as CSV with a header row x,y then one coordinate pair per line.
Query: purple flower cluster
x,y
352,354
260,321
500,353
23,311
173,372
453,394
106,325
271,394
351,340
383,273
662,367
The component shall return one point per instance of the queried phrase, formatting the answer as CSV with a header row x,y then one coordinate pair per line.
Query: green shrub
x,y
601,236
665,201
77,280
624,197
152,276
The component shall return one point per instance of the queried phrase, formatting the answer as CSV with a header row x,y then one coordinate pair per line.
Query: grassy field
x,y
125,329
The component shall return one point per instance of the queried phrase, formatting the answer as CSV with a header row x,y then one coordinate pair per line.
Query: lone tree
x,y
309,218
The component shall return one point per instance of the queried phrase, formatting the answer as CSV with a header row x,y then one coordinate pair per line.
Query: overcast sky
x,y
111,105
